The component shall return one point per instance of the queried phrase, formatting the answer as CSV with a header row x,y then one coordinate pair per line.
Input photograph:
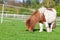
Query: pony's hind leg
x,y
51,28
41,27
47,27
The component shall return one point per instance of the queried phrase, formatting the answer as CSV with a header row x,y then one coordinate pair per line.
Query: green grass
x,y
16,30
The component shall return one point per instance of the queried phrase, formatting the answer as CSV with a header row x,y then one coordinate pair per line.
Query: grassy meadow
x,y
12,29
16,30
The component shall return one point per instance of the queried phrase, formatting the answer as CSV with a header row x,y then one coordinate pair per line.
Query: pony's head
x,y
31,22
28,24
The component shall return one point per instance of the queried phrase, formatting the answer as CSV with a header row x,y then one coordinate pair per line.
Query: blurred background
x,y
16,8
28,6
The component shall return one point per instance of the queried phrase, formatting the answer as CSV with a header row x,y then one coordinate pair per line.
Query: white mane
x,y
42,9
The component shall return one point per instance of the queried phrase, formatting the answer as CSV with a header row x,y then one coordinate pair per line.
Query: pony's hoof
x,y
49,31
40,31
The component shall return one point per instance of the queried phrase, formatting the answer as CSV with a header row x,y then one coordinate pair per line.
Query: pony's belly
x,y
50,16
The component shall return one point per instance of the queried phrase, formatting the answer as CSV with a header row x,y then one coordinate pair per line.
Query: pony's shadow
x,y
39,29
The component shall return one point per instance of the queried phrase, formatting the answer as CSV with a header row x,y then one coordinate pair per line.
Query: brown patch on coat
x,y
34,18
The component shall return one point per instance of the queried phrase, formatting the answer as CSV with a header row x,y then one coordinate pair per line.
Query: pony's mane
x,y
42,9
35,12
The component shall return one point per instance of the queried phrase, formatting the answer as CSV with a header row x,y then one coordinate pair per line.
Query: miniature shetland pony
x,y
42,16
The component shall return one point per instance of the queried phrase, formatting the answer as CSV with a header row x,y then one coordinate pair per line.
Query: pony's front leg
x,y
41,27
47,26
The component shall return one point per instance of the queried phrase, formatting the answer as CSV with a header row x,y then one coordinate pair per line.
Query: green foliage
x,y
48,3
11,10
57,2
0,7
0,1
24,11
58,10
34,5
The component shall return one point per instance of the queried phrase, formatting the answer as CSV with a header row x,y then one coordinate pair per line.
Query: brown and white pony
x,y
43,16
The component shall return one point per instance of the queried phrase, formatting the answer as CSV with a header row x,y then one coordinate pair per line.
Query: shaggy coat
x,y
39,16
34,18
